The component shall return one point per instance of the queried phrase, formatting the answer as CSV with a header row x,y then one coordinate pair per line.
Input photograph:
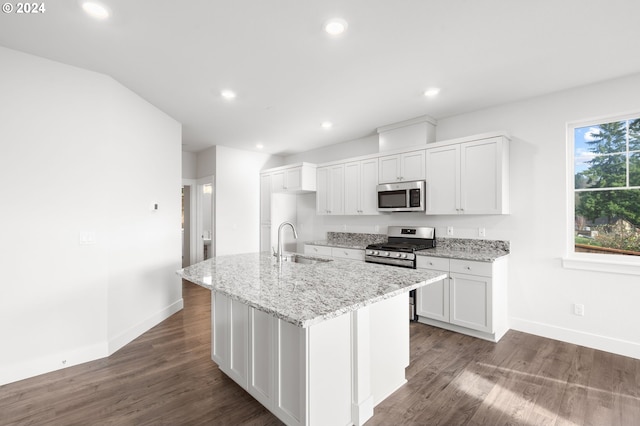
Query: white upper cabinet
x,y
330,190
296,178
360,180
468,177
402,167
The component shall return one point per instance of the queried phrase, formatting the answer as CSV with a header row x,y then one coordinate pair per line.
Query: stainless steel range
x,y
403,242
399,250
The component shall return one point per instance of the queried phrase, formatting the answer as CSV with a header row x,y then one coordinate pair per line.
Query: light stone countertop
x,y
304,294
478,255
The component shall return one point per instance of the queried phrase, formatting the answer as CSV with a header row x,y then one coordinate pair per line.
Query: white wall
x,y
354,148
189,165
541,292
82,154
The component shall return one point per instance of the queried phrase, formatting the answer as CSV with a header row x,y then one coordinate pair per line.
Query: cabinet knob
x,y
315,249
469,268
346,253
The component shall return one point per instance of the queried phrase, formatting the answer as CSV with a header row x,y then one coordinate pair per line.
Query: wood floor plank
x,y
167,377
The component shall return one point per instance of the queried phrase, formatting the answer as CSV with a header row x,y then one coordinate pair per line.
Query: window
x,y
606,175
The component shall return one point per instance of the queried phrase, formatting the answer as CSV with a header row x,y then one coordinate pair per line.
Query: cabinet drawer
x,y
471,267
427,262
322,250
345,253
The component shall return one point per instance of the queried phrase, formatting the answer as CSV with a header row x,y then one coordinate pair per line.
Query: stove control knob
x,y
375,252
384,253
403,255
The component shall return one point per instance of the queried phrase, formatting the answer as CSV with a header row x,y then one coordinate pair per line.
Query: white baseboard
x,y
137,330
589,340
35,367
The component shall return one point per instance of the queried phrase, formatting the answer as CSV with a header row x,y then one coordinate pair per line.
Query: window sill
x,y
603,263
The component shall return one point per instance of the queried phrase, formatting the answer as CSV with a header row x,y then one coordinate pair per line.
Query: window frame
x,y
615,263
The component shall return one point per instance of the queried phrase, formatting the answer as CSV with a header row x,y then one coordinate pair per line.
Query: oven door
x,y
401,197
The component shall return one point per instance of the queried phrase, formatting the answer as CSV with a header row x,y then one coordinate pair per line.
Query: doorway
x,y
205,241
188,221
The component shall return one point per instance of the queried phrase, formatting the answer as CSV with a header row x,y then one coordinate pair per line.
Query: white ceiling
x,y
290,76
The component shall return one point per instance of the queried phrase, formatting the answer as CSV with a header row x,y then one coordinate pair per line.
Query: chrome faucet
x,y
295,235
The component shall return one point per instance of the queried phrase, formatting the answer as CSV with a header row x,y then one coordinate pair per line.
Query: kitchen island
x,y
316,344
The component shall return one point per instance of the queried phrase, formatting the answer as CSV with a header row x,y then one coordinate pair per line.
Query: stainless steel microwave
x,y
401,196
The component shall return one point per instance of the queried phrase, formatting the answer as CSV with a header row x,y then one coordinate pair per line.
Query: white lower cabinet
x,y
343,253
472,300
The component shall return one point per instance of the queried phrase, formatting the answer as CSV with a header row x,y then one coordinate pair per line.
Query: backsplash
x,y
464,244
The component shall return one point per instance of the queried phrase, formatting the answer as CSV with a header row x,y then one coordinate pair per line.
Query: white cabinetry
x,y
432,300
402,167
295,178
360,180
331,373
473,300
343,253
469,177
330,190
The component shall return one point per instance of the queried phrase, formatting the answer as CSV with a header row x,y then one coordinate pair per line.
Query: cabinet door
x,y
432,301
480,177
322,191
219,330
336,190
321,250
352,188
261,356
413,166
238,342
471,306
293,179
443,180
368,183
277,182
389,167
344,253
265,199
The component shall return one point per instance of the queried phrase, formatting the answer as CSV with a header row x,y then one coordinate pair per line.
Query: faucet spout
x,y
280,228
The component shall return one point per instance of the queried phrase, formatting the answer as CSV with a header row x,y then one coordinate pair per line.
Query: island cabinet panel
x,y
289,397
230,330
261,356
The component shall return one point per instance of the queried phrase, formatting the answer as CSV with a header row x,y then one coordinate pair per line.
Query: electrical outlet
x,y
482,232
578,309
449,230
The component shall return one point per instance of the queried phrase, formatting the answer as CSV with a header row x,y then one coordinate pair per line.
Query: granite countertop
x,y
304,294
478,255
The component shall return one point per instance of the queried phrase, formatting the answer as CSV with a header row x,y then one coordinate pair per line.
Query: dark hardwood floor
x,y
166,377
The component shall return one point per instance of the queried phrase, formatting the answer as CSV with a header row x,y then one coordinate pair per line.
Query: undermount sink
x,y
298,258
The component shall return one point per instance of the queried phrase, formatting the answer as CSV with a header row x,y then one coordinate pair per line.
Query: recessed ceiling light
x,y
228,94
432,91
95,10
327,124
259,146
336,26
